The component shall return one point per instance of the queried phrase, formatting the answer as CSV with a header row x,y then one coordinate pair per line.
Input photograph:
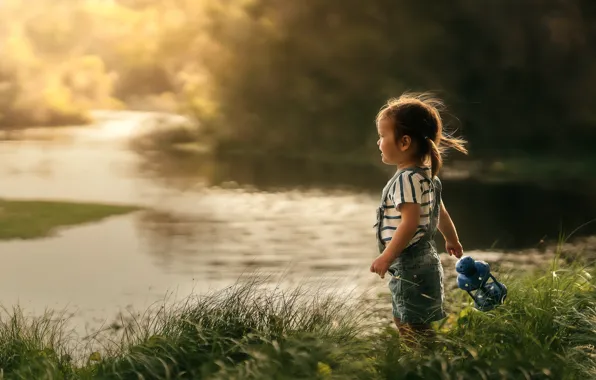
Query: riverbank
x,y
173,137
30,219
545,330
184,142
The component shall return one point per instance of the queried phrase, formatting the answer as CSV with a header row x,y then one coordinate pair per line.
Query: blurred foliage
x,y
519,77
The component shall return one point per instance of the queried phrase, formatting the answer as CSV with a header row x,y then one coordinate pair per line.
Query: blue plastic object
x,y
473,277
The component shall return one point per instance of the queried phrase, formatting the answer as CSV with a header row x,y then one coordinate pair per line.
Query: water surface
x,y
211,221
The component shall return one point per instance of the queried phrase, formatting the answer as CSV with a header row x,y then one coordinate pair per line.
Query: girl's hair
x,y
417,115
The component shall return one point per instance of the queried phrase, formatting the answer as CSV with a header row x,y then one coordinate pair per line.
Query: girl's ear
x,y
404,143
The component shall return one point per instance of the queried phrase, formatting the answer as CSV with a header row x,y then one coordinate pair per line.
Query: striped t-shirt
x,y
409,187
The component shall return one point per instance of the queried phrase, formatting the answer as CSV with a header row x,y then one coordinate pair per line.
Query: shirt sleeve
x,y
408,188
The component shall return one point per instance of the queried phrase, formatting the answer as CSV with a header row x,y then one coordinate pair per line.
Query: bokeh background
x,y
246,130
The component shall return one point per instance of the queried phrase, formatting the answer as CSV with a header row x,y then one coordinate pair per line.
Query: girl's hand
x,y
381,265
454,249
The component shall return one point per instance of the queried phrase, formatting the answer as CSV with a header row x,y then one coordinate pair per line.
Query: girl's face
x,y
392,151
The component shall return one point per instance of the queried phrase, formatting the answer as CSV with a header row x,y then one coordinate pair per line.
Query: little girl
x,y
411,137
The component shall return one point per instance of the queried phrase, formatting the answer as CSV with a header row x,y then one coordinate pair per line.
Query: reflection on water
x,y
488,215
512,216
229,231
262,173
209,221
170,237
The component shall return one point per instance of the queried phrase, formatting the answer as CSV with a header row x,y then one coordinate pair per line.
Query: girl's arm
x,y
410,219
447,228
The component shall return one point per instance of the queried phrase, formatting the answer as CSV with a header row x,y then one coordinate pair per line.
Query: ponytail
x,y
435,150
454,143
435,157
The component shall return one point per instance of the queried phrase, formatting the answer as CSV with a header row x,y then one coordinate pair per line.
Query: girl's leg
x,y
412,333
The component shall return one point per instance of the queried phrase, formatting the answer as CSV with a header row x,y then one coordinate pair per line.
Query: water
x,y
210,222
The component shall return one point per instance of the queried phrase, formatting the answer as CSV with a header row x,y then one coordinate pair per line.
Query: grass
x,y
546,330
20,219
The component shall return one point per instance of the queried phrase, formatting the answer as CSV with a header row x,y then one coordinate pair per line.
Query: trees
x,y
311,75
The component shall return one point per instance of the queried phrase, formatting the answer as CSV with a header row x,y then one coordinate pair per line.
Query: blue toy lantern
x,y
474,276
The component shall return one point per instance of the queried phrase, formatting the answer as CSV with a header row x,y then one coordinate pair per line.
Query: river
x,y
208,223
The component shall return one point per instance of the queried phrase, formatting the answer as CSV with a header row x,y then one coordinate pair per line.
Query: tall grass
x,y
35,347
211,336
545,330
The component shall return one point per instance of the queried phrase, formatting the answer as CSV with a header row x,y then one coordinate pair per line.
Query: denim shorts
x,y
416,286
